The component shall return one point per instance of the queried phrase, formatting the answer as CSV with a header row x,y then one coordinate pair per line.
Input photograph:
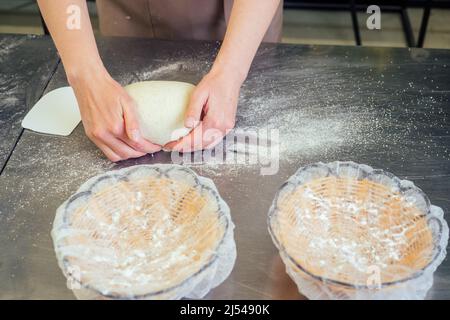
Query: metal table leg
x,y
424,23
355,23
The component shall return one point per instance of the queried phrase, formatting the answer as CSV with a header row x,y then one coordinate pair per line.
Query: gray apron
x,y
174,19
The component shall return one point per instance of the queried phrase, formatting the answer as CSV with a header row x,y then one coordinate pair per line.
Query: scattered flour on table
x,y
167,70
7,46
302,133
53,171
164,69
327,129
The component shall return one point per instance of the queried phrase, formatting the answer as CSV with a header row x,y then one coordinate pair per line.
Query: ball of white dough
x,y
161,108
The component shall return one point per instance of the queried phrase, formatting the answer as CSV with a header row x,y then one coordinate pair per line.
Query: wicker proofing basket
x,y
347,231
145,232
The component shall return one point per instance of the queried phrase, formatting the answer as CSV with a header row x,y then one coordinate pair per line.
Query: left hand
x,y
211,111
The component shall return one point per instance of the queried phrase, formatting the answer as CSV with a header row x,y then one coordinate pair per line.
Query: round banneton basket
x,y
145,232
347,231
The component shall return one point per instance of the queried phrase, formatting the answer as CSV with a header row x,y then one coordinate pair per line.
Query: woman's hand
x,y
107,111
108,115
211,111
216,96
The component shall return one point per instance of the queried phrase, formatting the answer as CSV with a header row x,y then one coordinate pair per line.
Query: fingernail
x,y
135,135
190,122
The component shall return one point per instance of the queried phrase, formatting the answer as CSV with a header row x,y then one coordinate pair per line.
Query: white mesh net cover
x,y
145,232
347,231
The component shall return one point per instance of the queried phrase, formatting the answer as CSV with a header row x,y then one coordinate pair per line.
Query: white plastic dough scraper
x,y
56,113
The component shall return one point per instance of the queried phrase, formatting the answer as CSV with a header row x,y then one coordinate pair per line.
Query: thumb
x,y
195,107
130,118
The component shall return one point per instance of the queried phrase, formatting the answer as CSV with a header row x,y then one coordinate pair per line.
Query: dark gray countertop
x,y
388,108
26,65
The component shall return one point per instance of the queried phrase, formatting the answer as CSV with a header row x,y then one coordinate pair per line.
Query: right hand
x,y
109,117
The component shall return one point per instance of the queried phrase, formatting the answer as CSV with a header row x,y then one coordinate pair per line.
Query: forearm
x,y
247,26
76,46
